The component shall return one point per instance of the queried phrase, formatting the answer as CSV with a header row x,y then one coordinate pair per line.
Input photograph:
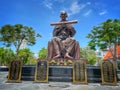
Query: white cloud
x,y
103,12
60,1
72,7
88,12
76,7
48,4
88,3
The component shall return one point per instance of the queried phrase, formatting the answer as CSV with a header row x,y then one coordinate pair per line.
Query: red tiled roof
x,y
109,54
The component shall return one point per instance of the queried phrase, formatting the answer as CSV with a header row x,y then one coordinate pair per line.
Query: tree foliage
x,y
42,53
6,56
88,54
26,56
15,34
106,35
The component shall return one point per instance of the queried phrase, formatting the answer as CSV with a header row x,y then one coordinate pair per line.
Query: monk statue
x,y
63,45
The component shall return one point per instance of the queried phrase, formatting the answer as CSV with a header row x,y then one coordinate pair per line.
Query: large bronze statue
x,y
63,45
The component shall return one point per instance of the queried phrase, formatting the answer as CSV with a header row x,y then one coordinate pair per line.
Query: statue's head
x,y
63,15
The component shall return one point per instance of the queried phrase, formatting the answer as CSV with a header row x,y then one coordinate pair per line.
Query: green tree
x,y
6,56
25,55
32,59
106,35
89,54
14,35
42,53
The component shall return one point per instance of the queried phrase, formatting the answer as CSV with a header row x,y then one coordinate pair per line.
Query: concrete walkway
x,y
30,85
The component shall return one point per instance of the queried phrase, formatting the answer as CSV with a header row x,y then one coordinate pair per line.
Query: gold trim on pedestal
x,y
42,62
15,70
82,72
107,72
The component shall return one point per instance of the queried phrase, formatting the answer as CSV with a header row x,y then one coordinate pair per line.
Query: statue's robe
x,y
59,46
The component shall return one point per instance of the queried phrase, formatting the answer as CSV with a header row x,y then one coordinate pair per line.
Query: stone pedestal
x,y
3,68
60,73
94,74
56,73
118,76
28,72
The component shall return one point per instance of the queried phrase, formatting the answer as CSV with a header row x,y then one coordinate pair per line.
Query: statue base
x,y
62,73
93,73
56,73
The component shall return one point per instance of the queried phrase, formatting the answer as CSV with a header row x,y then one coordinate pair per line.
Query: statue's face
x,y
63,17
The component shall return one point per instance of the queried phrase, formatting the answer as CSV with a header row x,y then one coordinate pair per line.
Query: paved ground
x,y
29,85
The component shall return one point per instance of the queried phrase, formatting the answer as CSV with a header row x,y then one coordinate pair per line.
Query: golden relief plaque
x,y
79,72
108,71
14,73
41,73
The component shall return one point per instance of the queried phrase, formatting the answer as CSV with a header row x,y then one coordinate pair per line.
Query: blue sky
x,y
40,13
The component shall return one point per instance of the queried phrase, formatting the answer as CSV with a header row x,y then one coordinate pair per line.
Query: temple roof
x,y
109,55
